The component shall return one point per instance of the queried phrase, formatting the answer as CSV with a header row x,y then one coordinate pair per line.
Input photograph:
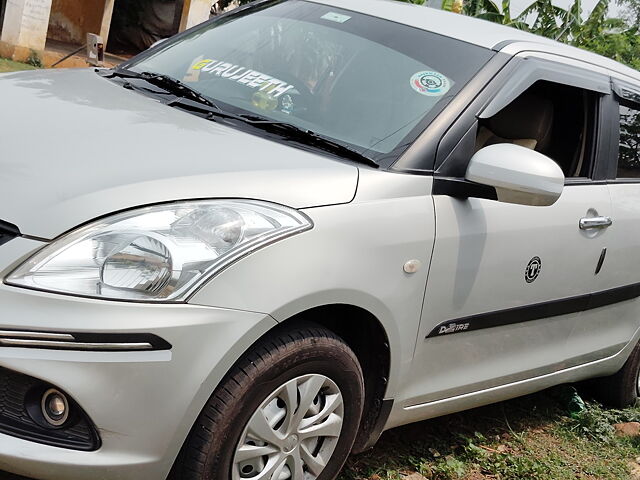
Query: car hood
x,y
75,146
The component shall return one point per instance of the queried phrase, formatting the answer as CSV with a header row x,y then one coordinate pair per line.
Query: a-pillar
x,y
25,28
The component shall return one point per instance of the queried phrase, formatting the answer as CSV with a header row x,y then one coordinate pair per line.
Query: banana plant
x,y
491,11
547,19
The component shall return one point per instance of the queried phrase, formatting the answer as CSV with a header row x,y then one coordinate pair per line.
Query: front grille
x,y
8,231
19,400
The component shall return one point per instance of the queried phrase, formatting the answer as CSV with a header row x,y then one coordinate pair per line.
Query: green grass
x,y
11,66
527,438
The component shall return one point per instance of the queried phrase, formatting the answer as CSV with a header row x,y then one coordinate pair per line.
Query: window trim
x,y
625,95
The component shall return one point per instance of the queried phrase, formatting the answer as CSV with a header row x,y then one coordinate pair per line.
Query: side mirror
x,y
519,175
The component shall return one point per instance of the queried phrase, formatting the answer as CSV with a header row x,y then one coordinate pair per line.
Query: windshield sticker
x,y
245,76
335,17
431,84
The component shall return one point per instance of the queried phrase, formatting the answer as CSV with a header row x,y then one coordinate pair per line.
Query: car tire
x,y
231,440
621,390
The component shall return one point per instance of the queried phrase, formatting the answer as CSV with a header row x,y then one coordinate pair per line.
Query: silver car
x,y
248,251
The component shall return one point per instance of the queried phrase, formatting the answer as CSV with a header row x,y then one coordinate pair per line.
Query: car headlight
x,y
159,253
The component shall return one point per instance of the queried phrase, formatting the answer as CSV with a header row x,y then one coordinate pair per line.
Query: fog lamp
x,y
55,407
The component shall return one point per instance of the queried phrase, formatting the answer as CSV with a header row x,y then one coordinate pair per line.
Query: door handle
x,y
588,223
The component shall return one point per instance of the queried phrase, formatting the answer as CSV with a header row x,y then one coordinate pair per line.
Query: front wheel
x,y
289,410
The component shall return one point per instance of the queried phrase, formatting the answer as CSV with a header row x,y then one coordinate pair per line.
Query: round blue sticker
x,y
431,84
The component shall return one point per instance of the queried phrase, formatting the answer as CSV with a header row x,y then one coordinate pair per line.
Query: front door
x,y
508,283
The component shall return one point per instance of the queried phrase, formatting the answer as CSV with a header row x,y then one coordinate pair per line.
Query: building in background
x,y
41,26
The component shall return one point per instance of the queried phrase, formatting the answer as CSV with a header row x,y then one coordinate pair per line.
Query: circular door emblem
x,y
533,269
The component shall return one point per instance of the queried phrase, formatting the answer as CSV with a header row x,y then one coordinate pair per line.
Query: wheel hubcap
x,y
293,433
290,444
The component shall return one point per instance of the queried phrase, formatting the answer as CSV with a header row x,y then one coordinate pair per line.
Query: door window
x,y
556,120
629,152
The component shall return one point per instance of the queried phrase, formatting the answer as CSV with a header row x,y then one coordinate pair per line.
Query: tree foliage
x,y
629,140
612,37
631,11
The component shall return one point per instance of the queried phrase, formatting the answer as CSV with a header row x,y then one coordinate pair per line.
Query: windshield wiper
x,y
309,137
284,129
165,82
192,100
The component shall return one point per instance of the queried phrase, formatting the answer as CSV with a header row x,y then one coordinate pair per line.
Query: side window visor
x,y
626,92
537,70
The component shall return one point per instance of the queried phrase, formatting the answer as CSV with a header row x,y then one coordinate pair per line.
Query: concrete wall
x,y
25,28
195,12
26,23
2,5
71,20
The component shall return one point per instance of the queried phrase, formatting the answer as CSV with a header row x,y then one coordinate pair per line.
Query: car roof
x,y
475,31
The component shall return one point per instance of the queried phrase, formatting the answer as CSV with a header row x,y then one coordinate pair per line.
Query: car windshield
x,y
368,83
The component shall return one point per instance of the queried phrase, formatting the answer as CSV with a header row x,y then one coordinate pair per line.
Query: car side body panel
x,y
482,253
336,263
499,393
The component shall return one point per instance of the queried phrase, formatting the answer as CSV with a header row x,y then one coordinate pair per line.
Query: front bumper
x,y
144,402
